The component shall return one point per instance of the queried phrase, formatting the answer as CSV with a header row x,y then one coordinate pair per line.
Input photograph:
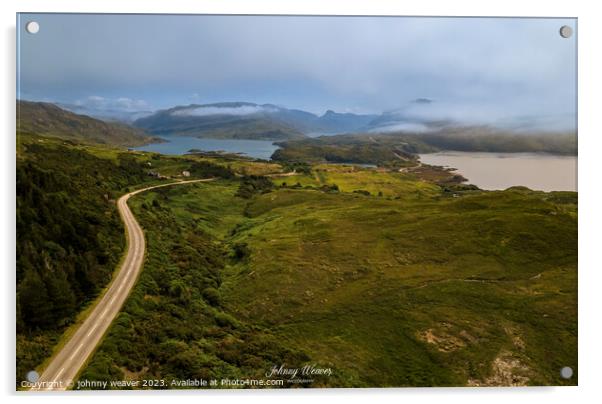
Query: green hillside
x,y
42,118
386,278
412,288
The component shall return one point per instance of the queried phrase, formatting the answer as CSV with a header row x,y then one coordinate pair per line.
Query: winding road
x,y
66,364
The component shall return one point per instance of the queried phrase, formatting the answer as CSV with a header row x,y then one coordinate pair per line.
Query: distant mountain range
x,y
42,118
245,120
242,120
232,120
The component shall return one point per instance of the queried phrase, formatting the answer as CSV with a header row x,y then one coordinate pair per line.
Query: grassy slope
x,y
172,326
351,178
419,290
47,119
362,283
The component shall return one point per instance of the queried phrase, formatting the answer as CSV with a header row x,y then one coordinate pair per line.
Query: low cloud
x,y
125,104
517,116
411,127
238,111
492,67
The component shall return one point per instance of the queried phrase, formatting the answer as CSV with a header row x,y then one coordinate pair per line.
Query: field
x,y
387,277
350,178
412,288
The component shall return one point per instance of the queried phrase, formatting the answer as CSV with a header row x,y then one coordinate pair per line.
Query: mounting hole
x,y
32,376
32,27
566,31
566,372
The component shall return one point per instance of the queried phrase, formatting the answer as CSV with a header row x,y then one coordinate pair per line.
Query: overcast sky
x,y
474,69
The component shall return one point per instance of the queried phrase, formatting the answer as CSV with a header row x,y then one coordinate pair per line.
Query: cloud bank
x,y
477,69
105,104
236,111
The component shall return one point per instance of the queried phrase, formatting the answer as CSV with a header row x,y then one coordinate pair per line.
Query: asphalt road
x,y
66,364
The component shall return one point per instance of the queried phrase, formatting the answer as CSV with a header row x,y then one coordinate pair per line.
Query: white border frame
x,y
590,194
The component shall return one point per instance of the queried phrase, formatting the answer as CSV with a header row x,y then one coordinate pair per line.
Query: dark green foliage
x,y
69,238
205,169
330,188
172,326
299,167
131,166
240,251
212,296
361,192
254,184
451,187
35,307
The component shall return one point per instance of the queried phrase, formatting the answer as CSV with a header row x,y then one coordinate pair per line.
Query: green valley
x,y
411,288
396,275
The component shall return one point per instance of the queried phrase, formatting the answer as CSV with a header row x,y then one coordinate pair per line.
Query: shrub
x,y
254,184
212,296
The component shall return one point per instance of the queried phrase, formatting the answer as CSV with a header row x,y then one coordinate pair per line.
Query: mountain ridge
x,y
43,118
248,120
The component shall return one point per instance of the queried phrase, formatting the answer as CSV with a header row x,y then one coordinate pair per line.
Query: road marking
x,y
51,386
92,329
76,351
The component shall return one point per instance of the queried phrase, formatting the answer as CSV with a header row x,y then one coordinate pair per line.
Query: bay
x,y
495,171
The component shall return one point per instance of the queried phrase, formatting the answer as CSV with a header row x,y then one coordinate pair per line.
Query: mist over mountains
x,y
105,114
300,129
247,120
339,76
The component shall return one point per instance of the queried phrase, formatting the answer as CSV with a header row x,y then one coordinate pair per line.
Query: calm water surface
x,y
261,149
493,171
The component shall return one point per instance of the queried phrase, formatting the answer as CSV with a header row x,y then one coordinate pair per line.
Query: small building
x,y
186,173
